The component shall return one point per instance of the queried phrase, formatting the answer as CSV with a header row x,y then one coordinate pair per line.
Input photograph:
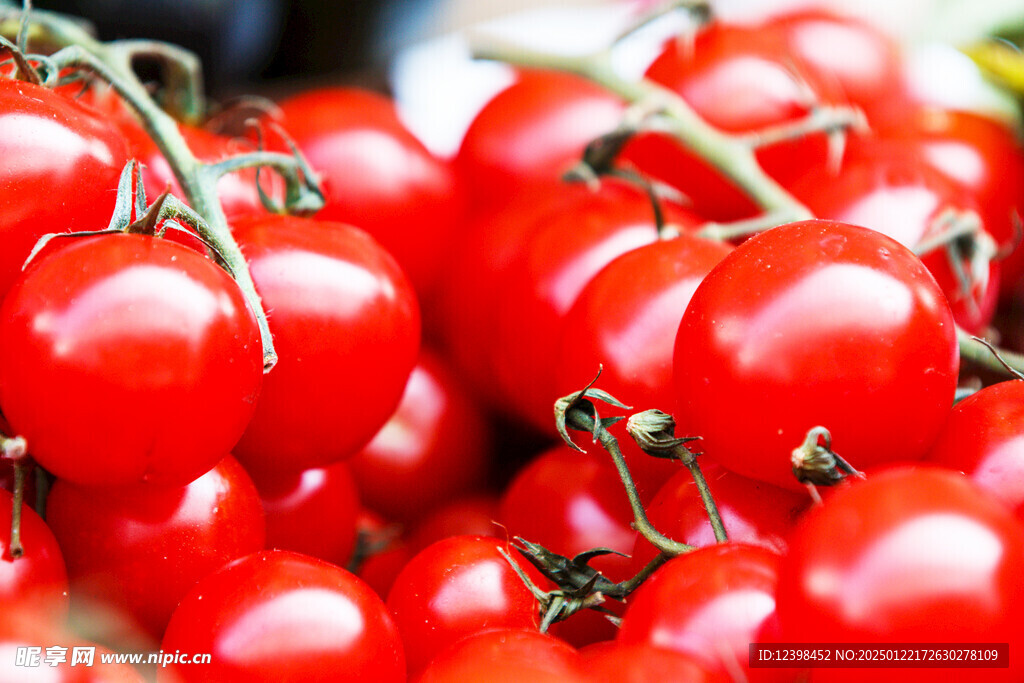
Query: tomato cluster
x,y
389,501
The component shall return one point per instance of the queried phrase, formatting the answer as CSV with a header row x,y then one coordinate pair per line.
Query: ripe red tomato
x,y
126,358
137,550
617,662
377,176
531,133
752,511
438,433
37,581
312,512
709,604
281,616
346,327
917,555
452,589
898,193
567,248
984,438
504,655
815,323
62,164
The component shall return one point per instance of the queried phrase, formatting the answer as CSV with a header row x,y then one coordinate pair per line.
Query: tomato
x,y
126,358
438,433
312,512
377,176
984,438
709,604
505,655
36,581
897,193
139,549
917,555
237,191
471,515
644,663
752,512
346,328
452,589
281,616
531,133
741,80
62,164
815,323
566,249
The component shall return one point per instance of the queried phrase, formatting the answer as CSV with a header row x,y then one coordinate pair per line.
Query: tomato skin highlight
x,y
346,327
815,323
127,358
61,166
276,615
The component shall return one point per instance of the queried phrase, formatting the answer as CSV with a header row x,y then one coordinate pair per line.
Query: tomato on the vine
x,y
126,358
815,323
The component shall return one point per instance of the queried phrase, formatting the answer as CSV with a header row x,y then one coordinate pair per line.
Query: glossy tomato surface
x,y
506,655
346,327
815,323
282,616
37,580
126,358
377,176
62,163
138,550
918,555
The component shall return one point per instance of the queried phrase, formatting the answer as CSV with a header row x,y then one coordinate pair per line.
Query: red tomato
x,y
346,327
815,323
68,161
455,588
505,655
140,549
895,191
237,191
281,616
740,79
917,555
644,663
709,604
984,438
387,551
531,133
126,358
36,581
377,176
312,512
438,433
472,515
566,249
752,512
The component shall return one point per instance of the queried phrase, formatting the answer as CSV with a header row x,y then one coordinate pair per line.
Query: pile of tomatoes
x,y
350,514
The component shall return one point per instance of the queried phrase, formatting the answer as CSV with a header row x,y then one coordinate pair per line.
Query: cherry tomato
x,y
37,580
139,549
280,616
815,323
916,555
709,604
312,512
455,588
437,433
504,655
346,327
531,133
471,515
62,164
984,438
752,512
567,248
377,176
126,358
